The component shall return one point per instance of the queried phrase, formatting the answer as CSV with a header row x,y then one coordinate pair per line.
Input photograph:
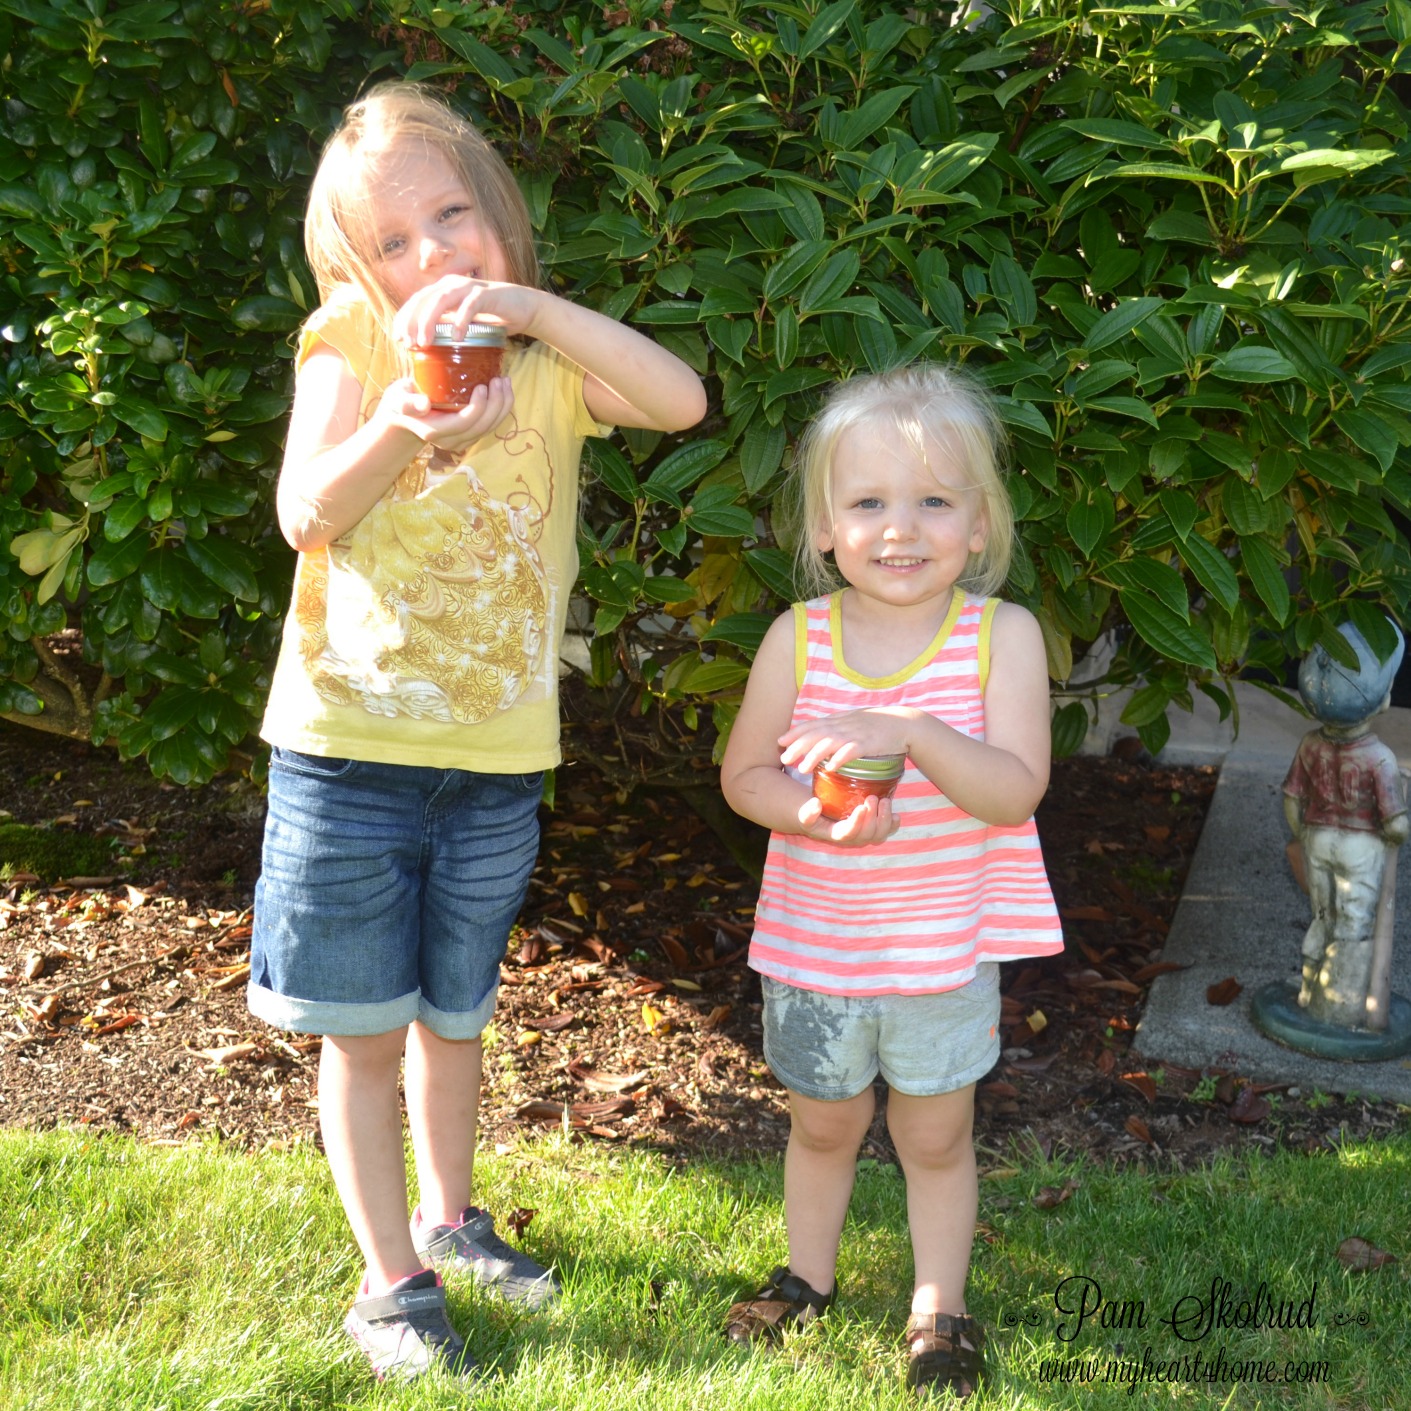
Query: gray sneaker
x,y
405,1331
474,1248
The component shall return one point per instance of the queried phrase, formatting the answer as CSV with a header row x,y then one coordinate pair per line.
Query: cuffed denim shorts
x,y
387,894
831,1047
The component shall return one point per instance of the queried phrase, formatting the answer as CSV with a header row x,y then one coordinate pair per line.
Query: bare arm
x,y
751,777
630,380
999,779
336,470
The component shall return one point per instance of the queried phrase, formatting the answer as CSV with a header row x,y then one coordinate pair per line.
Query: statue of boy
x,y
1344,801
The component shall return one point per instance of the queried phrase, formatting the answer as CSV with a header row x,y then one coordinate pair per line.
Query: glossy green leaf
x,y
1157,625
1251,362
1266,576
1212,569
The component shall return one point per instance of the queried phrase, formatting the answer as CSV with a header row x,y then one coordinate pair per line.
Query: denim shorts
x,y
387,893
831,1047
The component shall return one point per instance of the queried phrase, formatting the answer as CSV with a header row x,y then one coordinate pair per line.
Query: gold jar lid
x,y
882,766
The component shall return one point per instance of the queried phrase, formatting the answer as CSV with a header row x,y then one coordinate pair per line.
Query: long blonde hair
x,y
931,406
338,235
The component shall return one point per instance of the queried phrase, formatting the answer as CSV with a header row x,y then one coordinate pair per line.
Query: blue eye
x,y
391,247
869,502
934,502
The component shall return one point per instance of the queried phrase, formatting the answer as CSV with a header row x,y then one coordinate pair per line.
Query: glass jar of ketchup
x,y
453,365
841,790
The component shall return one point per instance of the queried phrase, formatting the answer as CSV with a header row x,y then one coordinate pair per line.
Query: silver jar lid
x,y
477,335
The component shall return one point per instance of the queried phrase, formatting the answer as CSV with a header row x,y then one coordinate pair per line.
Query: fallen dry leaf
x,y
578,903
1142,1083
125,1021
219,1057
716,1017
675,953
604,1082
1086,913
1139,1129
237,976
1224,991
1358,1256
551,1023
1051,1196
47,1011
654,1021
518,1220
1249,1106
998,1089
1159,967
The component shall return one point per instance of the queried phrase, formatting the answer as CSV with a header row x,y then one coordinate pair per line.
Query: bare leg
x,y
934,1139
360,1116
819,1167
443,1100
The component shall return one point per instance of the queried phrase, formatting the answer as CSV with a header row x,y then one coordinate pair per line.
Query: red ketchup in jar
x,y
452,366
842,790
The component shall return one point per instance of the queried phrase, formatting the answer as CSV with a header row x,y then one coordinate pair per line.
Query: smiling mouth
x,y
900,562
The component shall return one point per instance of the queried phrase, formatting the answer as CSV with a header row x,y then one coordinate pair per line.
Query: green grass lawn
x,y
201,1277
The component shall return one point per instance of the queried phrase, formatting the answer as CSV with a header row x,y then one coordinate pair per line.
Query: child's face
x,y
427,226
903,529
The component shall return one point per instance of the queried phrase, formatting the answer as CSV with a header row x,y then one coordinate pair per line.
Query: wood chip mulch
x,y
627,1013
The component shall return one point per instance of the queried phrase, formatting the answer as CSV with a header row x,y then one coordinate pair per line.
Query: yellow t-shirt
x,y
428,634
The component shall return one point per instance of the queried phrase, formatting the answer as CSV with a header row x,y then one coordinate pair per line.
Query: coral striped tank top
x,y
918,913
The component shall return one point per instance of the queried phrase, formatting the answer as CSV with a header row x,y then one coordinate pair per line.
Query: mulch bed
x,y
627,1013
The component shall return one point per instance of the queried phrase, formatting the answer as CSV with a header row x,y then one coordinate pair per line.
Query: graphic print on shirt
x,y
444,600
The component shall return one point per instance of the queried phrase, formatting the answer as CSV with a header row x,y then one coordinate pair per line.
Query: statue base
x,y
1276,1012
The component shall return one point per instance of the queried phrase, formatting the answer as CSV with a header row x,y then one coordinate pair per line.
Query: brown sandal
x,y
947,1350
785,1304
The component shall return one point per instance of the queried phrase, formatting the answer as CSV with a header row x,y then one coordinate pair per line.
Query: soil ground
x,y
626,1011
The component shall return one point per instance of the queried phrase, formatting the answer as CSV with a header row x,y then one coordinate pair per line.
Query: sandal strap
x,y
927,1331
785,1302
786,1285
947,1349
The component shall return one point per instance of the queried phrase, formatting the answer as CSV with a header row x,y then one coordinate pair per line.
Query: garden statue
x,y
1345,802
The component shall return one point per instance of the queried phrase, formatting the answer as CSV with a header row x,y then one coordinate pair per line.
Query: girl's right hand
x,y
403,404
871,822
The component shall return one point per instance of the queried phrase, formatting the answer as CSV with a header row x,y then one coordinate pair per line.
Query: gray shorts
x,y
831,1047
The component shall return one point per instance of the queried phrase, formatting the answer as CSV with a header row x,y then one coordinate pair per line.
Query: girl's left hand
x,y
460,300
404,404
871,822
835,739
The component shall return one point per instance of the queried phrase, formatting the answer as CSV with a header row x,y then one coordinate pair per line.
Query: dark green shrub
x,y
151,179
1171,238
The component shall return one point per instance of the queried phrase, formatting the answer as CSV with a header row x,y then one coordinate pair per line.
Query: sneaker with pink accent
x,y
406,1332
473,1247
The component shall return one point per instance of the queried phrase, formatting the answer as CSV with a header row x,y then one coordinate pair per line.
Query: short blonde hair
x,y
929,405
338,234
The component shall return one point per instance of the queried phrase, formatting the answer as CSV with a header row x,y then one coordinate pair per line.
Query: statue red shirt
x,y
1345,783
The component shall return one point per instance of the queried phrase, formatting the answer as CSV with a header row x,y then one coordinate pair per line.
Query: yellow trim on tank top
x,y
987,617
895,678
